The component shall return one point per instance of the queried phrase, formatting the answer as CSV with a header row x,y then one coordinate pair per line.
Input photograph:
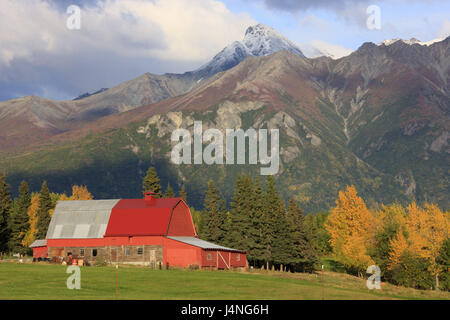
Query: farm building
x,y
150,231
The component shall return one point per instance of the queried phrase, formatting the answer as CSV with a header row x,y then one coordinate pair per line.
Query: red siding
x,y
223,259
40,252
181,223
180,254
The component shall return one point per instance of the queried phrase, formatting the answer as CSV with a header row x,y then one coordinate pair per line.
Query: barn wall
x,y
112,249
223,259
179,254
148,255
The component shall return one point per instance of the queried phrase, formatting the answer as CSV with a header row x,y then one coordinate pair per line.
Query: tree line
x,y
27,217
409,243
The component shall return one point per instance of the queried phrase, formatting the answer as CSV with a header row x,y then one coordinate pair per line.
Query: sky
x,y
119,40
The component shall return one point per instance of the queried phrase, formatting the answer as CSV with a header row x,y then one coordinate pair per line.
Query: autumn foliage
x,y
351,227
394,237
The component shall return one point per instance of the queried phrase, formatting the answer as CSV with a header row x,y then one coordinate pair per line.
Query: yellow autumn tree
x,y
351,227
398,246
32,219
427,229
80,193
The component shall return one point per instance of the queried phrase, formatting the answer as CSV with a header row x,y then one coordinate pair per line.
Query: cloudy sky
x,y
122,39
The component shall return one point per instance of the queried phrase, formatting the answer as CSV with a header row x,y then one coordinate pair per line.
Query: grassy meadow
x,y
46,281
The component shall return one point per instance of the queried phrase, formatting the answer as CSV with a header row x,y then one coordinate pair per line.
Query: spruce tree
x,y
19,219
303,255
239,233
43,213
151,182
281,241
256,236
183,194
5,211
213,219
169,192
271,211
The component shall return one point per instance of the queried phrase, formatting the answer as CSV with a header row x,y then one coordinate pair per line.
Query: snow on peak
x,y
262,40
259,40
410,41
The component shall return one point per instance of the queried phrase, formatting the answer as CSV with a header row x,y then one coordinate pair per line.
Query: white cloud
x,y
317,48
444,31
312,21
115,35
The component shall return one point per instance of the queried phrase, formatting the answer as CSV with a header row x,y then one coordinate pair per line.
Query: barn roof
x,y
38,243
196,242
132,217
80,219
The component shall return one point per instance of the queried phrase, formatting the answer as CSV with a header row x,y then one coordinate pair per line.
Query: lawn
x,y
46,281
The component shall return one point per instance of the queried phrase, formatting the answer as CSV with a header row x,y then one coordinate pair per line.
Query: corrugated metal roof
x,y
38,243
202,244
80,219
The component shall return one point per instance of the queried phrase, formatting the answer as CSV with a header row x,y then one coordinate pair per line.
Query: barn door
x,y
153,258
113,255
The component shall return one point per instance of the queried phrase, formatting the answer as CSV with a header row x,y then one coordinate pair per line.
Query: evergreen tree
x,y
169,192
238,235
303,255
256,240
271,210
444,261
5,211
225,221
213,219
151,182
45,205
317,234
281,244
183,194
19,219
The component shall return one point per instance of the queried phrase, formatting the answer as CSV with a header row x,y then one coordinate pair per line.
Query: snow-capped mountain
x,y
259,40
262,40
410,41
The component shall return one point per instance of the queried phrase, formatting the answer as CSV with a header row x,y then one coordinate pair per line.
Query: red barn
x,y
150,231
39,249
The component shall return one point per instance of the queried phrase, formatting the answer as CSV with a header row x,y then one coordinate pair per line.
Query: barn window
x,y
127,251
208,256
238,257
94,252
81,252
140,250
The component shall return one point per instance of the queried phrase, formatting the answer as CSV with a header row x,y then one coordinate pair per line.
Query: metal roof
x,y
202,244
80,219
38,243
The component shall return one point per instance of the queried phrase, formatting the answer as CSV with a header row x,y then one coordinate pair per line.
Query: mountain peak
x,y
262,40
259,30
259,40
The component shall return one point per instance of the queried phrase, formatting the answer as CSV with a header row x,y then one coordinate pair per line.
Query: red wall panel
x,y
40,252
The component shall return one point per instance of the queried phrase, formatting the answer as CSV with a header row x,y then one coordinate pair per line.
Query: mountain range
x,y
377,118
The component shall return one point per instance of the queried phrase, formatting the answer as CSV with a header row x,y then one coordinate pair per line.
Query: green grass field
x,y
45,281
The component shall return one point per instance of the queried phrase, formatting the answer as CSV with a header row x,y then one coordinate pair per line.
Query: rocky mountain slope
x,y
34,119
378,119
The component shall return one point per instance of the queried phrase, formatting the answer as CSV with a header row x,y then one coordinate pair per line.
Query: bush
x,y
100,262
412,271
